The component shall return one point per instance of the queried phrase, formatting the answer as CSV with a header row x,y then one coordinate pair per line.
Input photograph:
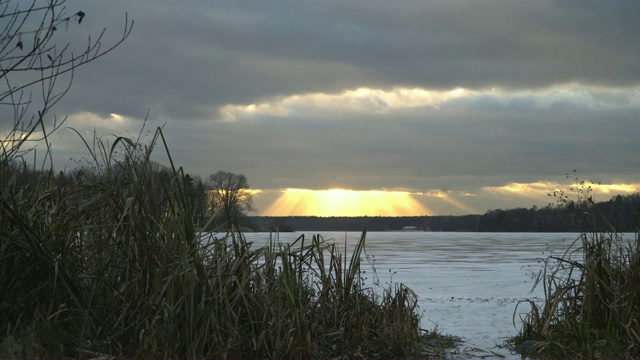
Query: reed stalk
x,y
591,301
111,264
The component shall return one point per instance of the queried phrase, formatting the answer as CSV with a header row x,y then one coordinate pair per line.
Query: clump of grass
x,y
592,297
111,263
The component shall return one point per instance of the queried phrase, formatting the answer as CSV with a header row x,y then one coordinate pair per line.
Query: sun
x,y
341,202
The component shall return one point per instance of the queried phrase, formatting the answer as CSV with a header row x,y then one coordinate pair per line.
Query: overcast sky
x,y
463,106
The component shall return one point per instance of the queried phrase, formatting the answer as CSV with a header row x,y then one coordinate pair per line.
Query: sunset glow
x,y
342,202
616,188
538,189
339,202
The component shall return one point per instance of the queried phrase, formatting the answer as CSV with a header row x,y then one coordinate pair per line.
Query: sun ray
x,y
459,205
447,198
341,202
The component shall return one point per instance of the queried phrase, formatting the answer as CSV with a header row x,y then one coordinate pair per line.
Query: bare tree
x,y
33,58
229,194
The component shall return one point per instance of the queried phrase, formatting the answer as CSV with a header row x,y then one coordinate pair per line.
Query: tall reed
x,y
111,263
591,307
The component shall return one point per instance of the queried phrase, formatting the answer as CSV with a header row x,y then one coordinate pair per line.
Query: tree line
x,y
622,213
225,198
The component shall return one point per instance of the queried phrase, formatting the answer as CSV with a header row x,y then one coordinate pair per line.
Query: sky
x,y
371,107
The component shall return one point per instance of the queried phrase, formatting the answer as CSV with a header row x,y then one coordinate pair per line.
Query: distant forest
x,y
622,212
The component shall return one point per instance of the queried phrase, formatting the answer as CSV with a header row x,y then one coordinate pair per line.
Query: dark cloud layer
x,y
409,152
185,60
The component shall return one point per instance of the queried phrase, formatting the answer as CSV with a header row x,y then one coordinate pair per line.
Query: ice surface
x,y
468,283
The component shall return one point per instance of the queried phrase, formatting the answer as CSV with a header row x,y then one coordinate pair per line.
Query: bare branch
x,y
32,60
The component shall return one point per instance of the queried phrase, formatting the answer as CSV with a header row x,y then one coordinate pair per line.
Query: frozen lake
x,y
468,283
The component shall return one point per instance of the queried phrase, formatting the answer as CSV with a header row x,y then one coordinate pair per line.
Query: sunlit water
x,y
469,284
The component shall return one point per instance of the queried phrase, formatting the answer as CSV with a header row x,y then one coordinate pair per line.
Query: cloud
x,y
380,101
361,100
458,98
192,57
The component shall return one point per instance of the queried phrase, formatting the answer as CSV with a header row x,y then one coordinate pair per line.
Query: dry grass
x,y
111,263
592,299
